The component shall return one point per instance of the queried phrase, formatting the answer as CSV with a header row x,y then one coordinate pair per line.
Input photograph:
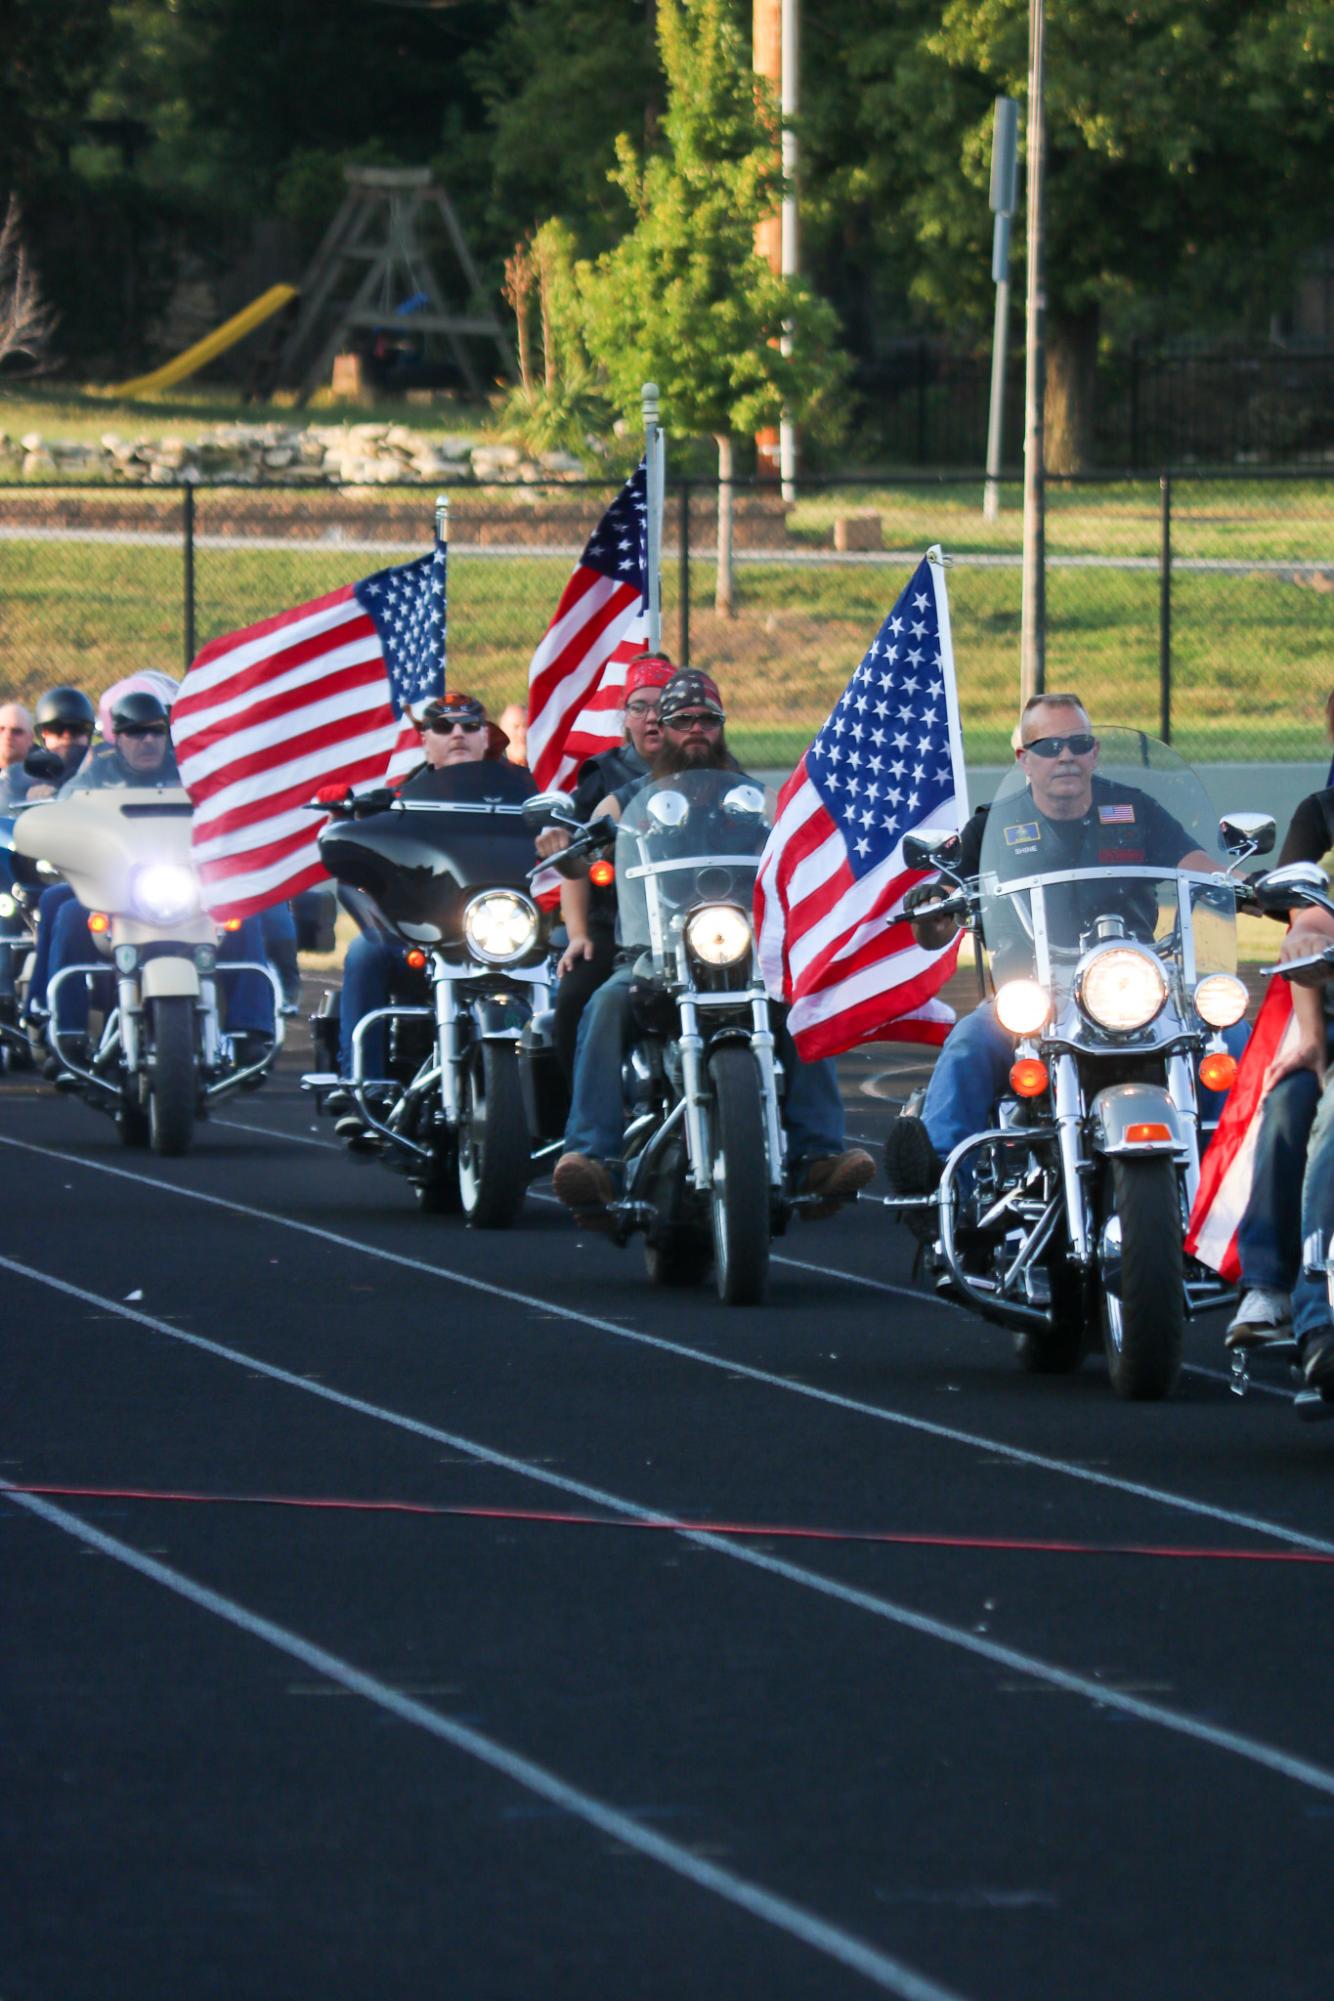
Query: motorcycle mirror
x,y
1247,833
747,800
43,764
542,806
1285,889
935,848
669,809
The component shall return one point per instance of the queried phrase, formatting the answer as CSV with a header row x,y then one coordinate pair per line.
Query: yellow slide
x,y
206,350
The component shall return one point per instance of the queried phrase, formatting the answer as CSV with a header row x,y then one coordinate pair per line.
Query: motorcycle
x,y
18,913
162,1059
473,1106
704,1148
1065,1220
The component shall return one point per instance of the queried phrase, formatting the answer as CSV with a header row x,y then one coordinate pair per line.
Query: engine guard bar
x,y
650,1150
266,1062
358,1081
990,1298
57,1037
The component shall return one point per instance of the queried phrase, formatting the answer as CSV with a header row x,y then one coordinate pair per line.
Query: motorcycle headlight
x,y
1122,988
500,926
1220,999
718,933
164,892
7,905
1022,1006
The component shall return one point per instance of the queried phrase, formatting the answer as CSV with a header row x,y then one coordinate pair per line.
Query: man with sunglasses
x,y
693,739
140,754
589,913
1070,819
454,731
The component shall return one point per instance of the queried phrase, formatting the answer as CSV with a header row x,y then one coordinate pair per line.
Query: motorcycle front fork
x,y
696,1096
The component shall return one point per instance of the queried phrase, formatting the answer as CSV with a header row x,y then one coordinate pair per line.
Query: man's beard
x,y
675,757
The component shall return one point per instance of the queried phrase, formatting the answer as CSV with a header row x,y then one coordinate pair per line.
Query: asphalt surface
x,y
517,1738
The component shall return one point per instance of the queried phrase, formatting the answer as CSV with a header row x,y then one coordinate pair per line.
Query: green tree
x,y
683,300
1190,162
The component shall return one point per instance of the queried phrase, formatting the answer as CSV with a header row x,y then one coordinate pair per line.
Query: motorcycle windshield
x,y
683,841
1087,847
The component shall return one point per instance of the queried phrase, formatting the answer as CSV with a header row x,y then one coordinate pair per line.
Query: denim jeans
x,y
374,974
1310,1298
1269,1240
973,1070
49,906
279,928
812,1112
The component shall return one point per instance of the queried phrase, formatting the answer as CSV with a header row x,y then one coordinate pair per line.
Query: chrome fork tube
x,y
1068,1105
762,1043
129,1006
691,1046
1181,1090
447,1043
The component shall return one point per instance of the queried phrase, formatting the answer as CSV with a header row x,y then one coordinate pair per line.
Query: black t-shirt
x,y
1123,828
1311,835
598,778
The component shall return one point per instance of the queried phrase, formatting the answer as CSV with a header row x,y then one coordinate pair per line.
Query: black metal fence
x,y
928,406
1198,606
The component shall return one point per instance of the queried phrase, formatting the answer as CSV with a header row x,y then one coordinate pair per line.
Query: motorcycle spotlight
x,y
1022,1006
7,905
163,892
718,934
1121,988
1220,999
500,926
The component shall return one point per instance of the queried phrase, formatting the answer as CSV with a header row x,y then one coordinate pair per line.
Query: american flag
x,y
578,671
316,696
832,938
1227,1171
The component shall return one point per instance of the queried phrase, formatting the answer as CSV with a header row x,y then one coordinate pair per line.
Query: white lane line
x,y
885,1609
889,1974
727,1365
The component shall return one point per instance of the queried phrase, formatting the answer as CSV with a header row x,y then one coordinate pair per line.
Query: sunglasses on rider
x,y
66,729
1081,743
143,729
446,725
643,709
695,719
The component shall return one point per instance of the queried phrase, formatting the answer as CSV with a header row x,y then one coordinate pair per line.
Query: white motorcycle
x,y
161,1059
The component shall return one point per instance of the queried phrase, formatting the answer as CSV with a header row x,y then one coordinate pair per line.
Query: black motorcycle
x,y
473,1104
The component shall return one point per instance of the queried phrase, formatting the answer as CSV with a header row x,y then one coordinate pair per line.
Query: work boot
x,y
836,1179
912,1164
1317,1362
582,1183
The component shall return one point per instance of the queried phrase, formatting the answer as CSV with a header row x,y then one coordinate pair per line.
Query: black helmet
x,y
135,708
64,706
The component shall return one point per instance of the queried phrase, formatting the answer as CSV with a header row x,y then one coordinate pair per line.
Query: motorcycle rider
x,y
589,913
454,730
63,721
1070,819
140,754
16,740
692,720
1311,931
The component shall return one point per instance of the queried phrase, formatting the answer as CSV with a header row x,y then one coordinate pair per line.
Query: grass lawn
x,y
82,414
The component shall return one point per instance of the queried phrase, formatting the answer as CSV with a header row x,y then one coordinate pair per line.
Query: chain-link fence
x,y
1196,606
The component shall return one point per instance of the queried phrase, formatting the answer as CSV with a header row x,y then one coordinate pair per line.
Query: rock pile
x,y
284,454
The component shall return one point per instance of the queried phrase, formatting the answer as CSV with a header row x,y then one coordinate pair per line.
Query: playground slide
x,y
206,350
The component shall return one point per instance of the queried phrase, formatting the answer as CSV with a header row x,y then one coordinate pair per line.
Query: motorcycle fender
x,y
500,1021
160,978
1117,1111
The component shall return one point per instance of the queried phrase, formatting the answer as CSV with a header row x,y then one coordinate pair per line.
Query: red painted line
x,y
671,1526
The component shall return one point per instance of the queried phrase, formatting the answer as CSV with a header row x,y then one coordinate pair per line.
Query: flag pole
x,y
1033,614
442,518
655,485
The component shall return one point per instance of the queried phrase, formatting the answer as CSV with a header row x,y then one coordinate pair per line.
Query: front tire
x,y
739,1198
1144,1327
171,1100
494,1155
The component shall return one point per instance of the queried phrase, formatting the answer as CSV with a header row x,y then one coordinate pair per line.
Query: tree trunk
x,y
1072,355
722,597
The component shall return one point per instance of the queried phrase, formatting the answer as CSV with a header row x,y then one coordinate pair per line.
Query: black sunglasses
x,y
142,729
446,725
696,719
1081,743
66,729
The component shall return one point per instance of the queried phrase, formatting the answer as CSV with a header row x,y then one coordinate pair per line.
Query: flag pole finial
x,y
649,397
442,517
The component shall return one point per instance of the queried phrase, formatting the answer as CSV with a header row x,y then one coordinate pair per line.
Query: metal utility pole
x,y
655,481
1004,183
1032,644
790,100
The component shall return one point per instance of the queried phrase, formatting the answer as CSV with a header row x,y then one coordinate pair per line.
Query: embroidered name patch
x,y
1116,816
1027,830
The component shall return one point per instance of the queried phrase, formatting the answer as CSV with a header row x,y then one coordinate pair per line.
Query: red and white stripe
x,y
267,716
1227,1171
577,674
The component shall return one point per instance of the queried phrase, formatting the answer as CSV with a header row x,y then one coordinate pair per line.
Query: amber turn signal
x,y
1147,1134
231,923
1028,1077
1219,1071
601,874
416,958
98,921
